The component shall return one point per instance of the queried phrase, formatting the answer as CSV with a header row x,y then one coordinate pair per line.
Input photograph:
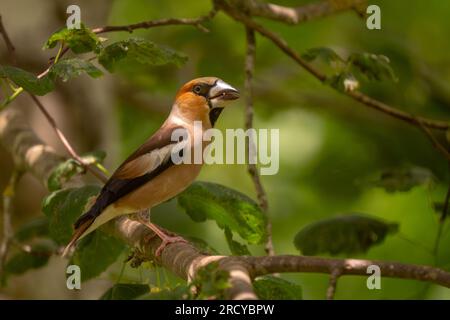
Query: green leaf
x,y
78,40
325,54
66,170
95,253
63,208
348,234
373,66
37,257
140,51
27,80
229,208
71,68
274,288
125,291
403,179
35,228
236,248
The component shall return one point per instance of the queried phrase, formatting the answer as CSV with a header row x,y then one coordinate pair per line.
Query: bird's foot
x,y
166,240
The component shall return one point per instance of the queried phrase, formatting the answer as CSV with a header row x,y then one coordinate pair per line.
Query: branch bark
x,y
184,259
295,15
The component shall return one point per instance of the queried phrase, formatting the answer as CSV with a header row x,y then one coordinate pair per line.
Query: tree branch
x,y
356,95
251,167
295,15
182,258
198,23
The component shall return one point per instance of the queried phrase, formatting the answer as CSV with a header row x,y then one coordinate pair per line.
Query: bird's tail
x,y
81,228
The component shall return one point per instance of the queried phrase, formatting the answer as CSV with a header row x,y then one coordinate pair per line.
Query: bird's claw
x,y
166,241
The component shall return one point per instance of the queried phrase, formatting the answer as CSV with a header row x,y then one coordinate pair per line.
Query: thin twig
x,y
97,173
9,45
356,95
8,195
334,276
198,23
251,167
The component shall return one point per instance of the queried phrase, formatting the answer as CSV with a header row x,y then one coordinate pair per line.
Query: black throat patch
x,y
214,113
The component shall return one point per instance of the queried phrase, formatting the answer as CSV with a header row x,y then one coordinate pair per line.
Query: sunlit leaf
x,y
63,208
229,208
275,288
346,234
78,40
140,51
125,291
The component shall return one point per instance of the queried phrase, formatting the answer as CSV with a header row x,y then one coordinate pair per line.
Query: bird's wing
x,y
147,162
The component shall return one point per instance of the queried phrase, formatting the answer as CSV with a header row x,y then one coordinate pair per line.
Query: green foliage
x,y
27,80
322,53
125,291
78,40
95,253
229,208
201,245
274,288
403,179
138,51
347,234
36,257
66,170
63,207
236,248
373,66
37,227
71,68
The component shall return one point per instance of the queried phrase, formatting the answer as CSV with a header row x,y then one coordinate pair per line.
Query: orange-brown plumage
x,y
149,176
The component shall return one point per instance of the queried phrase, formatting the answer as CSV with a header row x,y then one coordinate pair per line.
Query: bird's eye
x,y
197,89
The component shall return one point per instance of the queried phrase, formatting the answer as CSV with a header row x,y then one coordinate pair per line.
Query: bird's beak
x,y
222,91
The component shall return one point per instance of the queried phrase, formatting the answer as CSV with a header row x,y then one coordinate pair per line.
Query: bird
x,y
150,176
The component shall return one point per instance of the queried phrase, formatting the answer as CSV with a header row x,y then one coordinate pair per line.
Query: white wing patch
x,y
146,163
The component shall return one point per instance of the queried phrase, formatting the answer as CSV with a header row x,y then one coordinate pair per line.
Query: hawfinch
x,y
149,176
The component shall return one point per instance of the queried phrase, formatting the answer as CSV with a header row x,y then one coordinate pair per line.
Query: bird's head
x,y
203,99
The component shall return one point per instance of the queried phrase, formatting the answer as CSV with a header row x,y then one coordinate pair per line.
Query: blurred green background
x,y
331,147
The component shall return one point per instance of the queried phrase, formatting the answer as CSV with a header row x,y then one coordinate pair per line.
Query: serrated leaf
x,y
35,228
78,40
63,208
140,51
95,253
69,168
71,68
325,54
236,248
37,257
125,291
404,178
27,80
229,208
347,234
274,288
211,282
373,66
